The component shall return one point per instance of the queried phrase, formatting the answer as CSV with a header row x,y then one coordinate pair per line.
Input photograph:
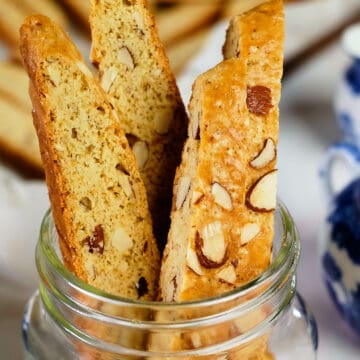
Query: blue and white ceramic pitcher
x,y
340,174
341,234
347,100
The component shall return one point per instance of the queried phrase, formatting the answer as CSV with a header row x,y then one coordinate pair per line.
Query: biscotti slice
x,y
224,193
80,8
17,134
178,21
135,73
12,14
98,199
183,50
225,188
234,8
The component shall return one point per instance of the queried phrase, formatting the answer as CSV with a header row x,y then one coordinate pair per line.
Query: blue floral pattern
x,y
347,127
344,223
352,77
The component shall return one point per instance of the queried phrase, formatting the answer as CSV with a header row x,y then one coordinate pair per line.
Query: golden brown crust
x,y
234,109
225,188
98,200
135,72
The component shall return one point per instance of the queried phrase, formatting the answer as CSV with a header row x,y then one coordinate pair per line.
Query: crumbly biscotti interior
x,y
97,196
232,140
105,195
135,73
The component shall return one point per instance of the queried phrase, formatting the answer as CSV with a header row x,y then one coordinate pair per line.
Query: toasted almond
x,y
125,57
182,191
193,263
221,196
163,120
84,69
108,78
210,245
227,274
249,232
196,197
54,74
138,20
195,340
125,184
120,240
196,126
115,114
141,153
261,197
265,156
90,268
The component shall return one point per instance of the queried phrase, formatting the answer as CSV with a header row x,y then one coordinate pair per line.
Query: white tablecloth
x,y
307,127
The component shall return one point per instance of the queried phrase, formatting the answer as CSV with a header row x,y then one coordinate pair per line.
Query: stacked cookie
x,y
17,133
110,148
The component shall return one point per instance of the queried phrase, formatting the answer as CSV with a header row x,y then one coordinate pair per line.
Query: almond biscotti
x,y
233,8
80,8
17,133
12,14
97,196
225,189
135,73
182,20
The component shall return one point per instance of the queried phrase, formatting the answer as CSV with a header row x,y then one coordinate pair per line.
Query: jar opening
x,y
94,317
285,251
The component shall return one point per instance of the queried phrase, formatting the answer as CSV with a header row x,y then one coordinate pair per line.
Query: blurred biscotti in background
x,y
17,133
13,12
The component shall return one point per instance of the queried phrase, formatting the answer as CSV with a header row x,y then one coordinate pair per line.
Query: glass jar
x,y
68,319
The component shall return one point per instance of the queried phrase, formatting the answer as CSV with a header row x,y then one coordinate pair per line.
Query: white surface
x,y
307,127
351,41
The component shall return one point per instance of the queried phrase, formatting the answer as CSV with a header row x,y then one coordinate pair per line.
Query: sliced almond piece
x,y
141,153
125,185
54,74
265,156
115,114
193,263
125,57
196,126
195,340
163,120
210,246
249,232
196,197
90,268
120,240
261,197
84,69
227,274
221,196
139,21
108,78
182,191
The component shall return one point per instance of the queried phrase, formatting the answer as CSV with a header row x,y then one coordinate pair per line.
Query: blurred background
x,y
193,33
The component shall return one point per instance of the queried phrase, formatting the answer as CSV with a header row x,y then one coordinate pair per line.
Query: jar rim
x,y
289,245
